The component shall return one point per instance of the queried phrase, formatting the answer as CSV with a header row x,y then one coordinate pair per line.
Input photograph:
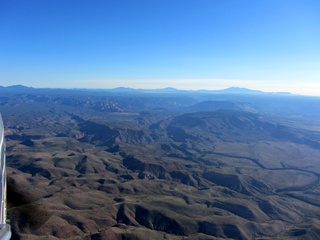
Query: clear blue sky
x,y
271,45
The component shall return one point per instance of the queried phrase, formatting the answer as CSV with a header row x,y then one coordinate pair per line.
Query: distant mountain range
x,y
231,90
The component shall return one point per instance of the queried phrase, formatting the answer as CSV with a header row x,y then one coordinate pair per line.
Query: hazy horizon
x,y
160,88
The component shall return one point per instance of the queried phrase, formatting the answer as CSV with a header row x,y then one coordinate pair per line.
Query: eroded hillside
x,y
158,167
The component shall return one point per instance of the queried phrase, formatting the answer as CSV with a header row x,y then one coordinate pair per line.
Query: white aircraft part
x,y
5,230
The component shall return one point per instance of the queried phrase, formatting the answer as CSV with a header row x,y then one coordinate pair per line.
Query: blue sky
x,y
270,45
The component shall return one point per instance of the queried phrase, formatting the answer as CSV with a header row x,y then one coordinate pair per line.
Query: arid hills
x,y
162,164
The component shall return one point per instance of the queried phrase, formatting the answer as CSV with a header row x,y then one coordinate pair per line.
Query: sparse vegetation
x,y
160,166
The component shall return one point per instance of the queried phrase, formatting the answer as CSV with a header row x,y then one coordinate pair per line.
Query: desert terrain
x,y
163,164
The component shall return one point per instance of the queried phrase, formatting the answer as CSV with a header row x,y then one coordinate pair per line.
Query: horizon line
x,y
249,90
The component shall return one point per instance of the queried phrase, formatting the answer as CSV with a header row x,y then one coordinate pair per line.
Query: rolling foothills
x,y
161,164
